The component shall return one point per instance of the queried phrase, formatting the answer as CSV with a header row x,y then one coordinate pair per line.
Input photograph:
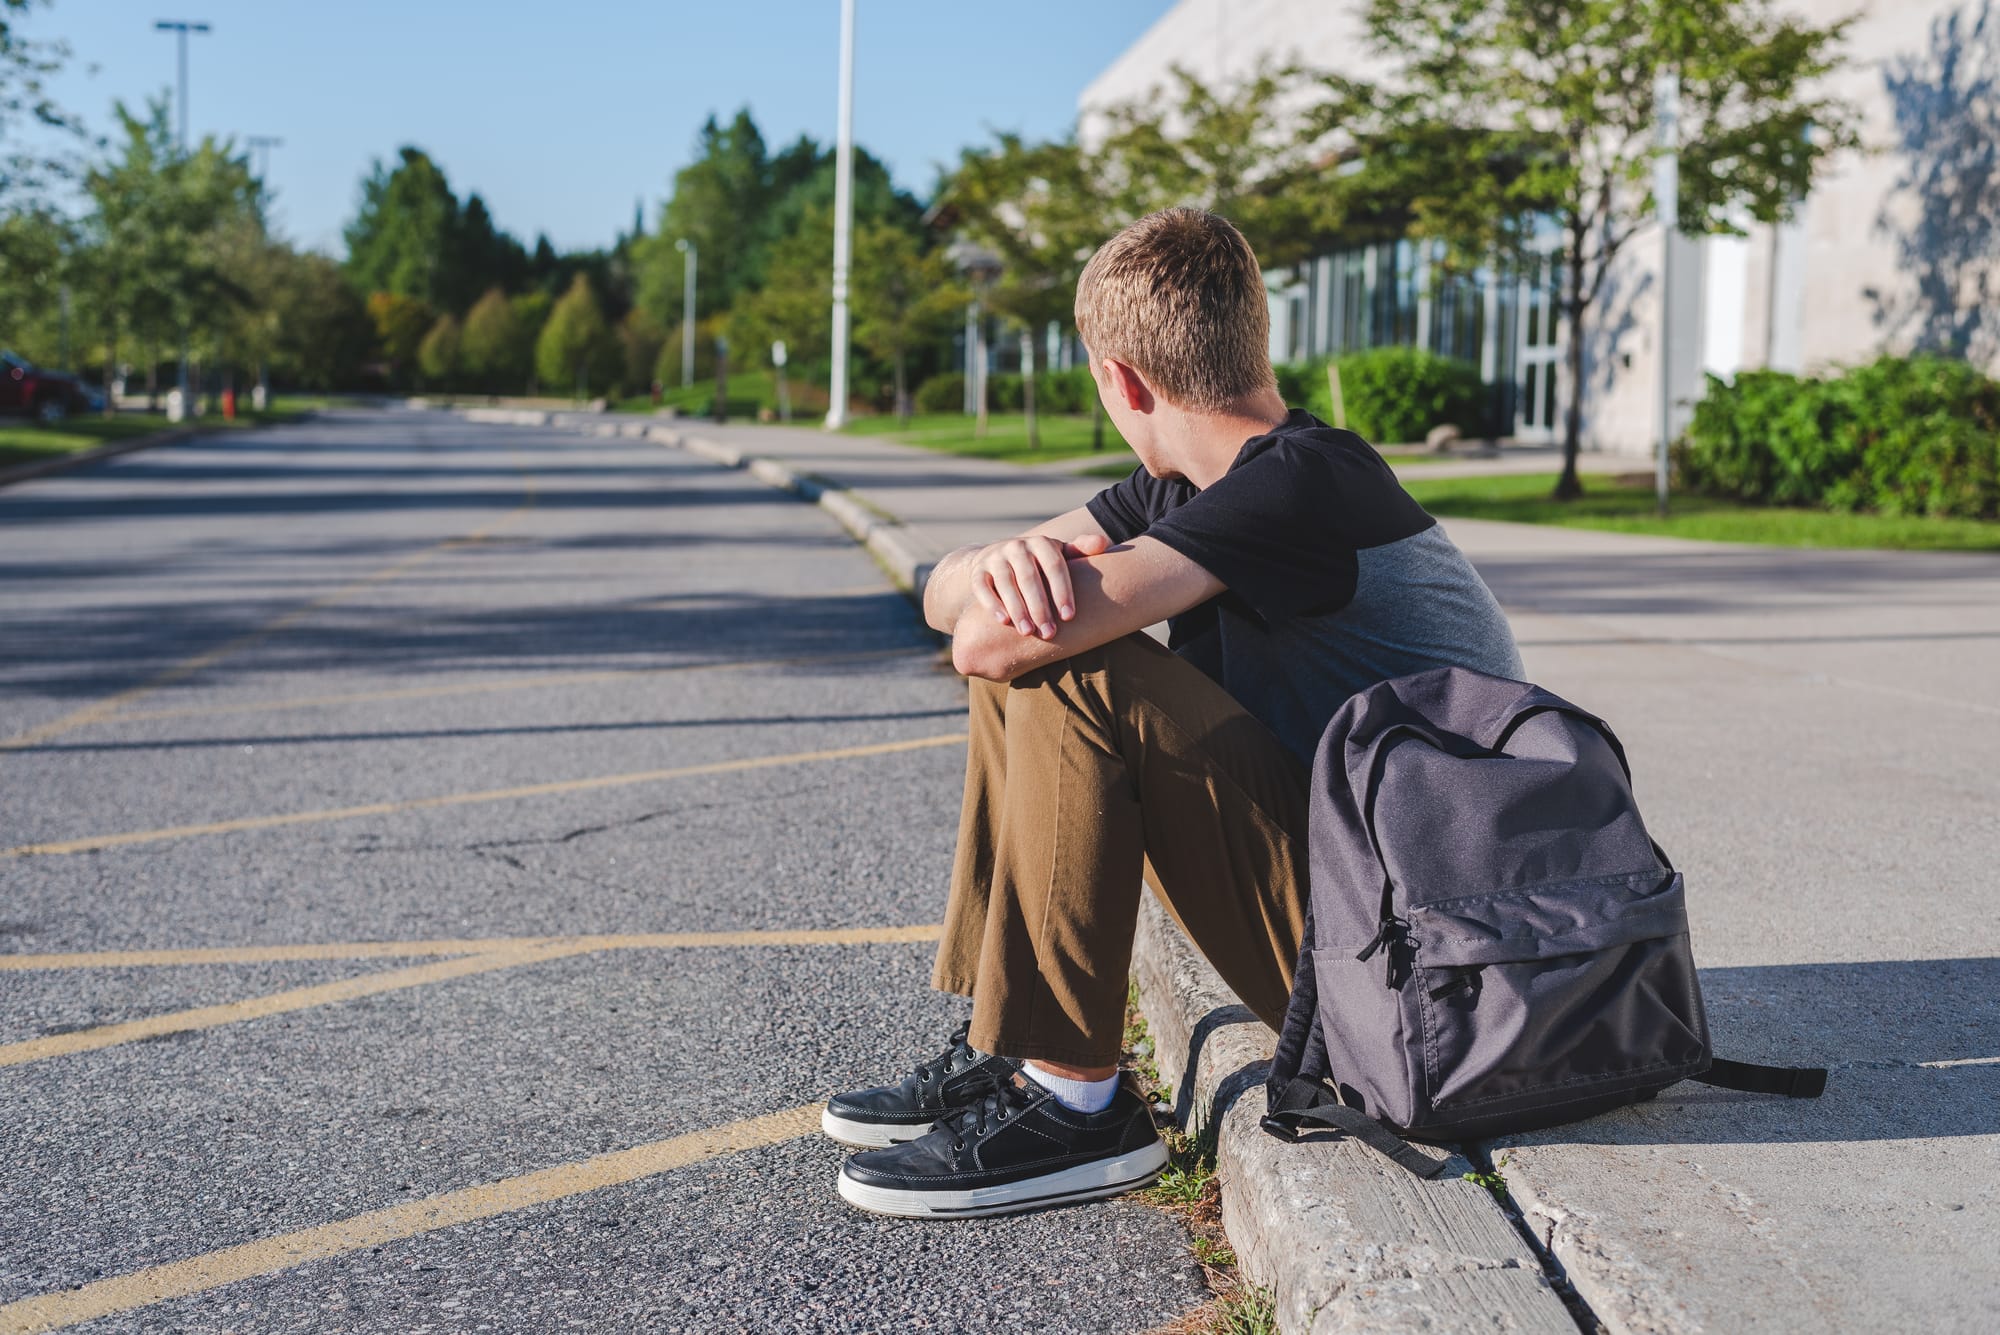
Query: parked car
x,y
39,392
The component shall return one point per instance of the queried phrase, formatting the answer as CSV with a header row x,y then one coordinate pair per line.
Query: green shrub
x,y
1393,395
1297,380
943,393
1899,436
1071,391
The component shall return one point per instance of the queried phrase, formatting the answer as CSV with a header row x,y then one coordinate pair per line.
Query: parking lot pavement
x,y
444,868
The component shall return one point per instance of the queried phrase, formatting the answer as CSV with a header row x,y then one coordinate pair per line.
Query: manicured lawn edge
x,y
1615,505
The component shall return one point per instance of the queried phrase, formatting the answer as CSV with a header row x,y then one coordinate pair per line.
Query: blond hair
x,y
1178,297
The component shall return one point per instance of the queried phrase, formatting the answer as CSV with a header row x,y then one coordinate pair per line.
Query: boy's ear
x,y
1128,385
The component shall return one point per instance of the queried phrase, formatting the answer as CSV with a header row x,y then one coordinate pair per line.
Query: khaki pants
x,y
1078,773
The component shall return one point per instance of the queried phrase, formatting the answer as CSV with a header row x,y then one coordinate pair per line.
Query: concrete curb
x,y
63,463
1345,1241
906,560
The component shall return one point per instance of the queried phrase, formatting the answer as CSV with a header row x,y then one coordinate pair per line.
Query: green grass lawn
x,y
749,391
1626,506
1063,437
24,442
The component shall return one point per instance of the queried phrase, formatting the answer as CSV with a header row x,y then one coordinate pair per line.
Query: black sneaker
x,y
892,1114
1016,1149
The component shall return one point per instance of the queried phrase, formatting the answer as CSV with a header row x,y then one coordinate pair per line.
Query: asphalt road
x,y
318,747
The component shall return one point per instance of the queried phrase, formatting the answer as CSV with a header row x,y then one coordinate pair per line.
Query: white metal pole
x,y
687,249
1666,203
843,220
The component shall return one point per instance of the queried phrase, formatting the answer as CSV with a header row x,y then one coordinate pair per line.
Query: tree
x,y
1037,207
640,339
1252,150
322,332
904,298
160,248
25,65
489,347
531,312
397,242
719,202
574,341
437,355
400,325
1502,121
795,302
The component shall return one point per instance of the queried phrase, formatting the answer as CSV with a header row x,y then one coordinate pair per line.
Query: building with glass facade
x,y
1897,247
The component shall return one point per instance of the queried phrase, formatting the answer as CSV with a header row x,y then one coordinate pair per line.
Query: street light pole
x,y
686,248
261,145
843,220
1666,203
181,28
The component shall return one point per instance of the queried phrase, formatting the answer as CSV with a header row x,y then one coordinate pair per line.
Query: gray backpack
x,y
1494,942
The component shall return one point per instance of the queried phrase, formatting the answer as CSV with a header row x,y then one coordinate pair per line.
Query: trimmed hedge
x,y
1899,436
942,393
1070,391
1392,395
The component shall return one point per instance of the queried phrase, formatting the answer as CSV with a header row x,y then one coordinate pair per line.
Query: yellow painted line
x,y
102,709
181,1279
503,684
276,1003
363,950
92,843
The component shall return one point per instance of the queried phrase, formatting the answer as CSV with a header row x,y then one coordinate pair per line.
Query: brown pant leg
x,y
1080,774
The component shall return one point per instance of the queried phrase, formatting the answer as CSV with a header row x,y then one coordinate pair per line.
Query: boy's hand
x,y
1024,582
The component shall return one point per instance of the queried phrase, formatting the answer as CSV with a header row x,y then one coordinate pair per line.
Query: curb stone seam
x,y
1346,1241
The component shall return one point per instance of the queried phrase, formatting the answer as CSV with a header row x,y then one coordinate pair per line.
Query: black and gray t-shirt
x,y
1336,579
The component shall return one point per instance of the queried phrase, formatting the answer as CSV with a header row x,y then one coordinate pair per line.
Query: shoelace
x,y
944,1065
992,1096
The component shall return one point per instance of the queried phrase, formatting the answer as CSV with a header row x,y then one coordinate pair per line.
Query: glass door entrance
x,y
1538,357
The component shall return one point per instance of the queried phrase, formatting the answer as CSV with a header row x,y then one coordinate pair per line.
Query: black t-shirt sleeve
x,y
1271,530
1128,507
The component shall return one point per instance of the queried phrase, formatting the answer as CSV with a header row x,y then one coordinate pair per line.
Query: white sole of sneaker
x,y
1085,1182
867,1135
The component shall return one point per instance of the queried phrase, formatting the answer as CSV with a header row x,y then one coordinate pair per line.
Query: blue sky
x,y
563,115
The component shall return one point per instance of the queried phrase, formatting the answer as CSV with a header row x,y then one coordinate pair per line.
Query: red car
x,y
47,395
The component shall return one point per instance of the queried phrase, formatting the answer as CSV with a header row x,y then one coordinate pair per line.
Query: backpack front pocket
x,y
1554,996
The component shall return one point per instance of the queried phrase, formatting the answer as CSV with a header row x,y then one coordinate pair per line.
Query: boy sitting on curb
x,y
1292,570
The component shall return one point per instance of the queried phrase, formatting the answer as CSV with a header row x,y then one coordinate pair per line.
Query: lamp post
x,y
181,28
686,247
260,145
843,220
1666,202
981,268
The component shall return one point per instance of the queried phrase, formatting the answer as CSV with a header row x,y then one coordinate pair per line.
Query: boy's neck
x,y
1206,444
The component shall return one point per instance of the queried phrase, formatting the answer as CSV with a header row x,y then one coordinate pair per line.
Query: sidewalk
x,y
1816,738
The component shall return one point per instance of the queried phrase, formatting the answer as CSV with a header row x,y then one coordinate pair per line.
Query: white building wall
x,y
1867,266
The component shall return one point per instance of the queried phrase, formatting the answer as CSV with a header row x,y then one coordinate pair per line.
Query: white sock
x,y
1084,1096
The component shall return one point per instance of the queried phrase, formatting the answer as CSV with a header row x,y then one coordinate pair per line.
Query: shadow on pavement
x,y
1912,1047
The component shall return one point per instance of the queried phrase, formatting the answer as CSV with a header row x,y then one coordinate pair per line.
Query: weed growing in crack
x,y
1492,1181
1190,1190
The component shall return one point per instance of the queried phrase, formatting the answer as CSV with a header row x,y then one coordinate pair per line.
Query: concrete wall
x,y
1897,247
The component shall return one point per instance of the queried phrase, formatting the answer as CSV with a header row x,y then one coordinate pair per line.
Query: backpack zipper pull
x,y
1390,926
1464,982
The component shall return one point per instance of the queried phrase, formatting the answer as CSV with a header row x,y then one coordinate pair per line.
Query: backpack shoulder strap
x,y
1306,1102
1794,1082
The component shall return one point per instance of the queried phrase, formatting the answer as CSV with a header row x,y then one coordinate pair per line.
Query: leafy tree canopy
x,y
1506,126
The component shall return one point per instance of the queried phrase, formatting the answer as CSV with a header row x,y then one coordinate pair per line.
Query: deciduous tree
x,y
1505,124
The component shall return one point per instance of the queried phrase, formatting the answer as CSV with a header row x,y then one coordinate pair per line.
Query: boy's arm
x,y
1022,582
1123,590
